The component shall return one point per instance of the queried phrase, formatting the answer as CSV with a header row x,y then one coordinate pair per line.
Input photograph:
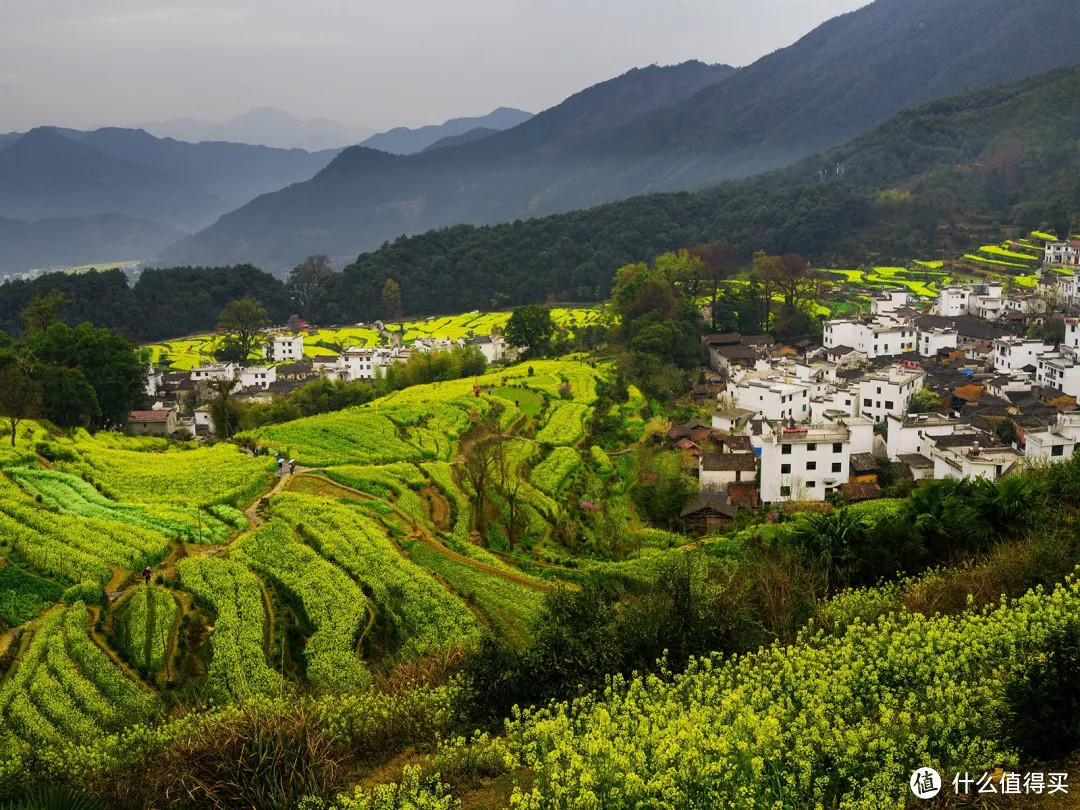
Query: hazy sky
x,y
376,63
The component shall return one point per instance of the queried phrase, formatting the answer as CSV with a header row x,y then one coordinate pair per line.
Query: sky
x,y
366,63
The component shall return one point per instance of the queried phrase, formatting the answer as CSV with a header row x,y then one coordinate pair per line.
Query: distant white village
x,y
285,369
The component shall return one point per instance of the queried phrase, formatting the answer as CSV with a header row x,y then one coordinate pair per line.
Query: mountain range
x,y
263,126
657,129
405,141
113,193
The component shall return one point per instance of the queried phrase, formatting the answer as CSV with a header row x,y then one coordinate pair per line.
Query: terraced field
x,y
364,563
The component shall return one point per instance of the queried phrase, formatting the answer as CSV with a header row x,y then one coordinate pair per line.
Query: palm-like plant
x,y
838,540
58,798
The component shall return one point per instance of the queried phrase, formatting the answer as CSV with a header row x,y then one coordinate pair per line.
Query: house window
x,y
785,469
867,403
836,467
785,449
888,404
1057,450
785,492
811,447
811,465
838,448
811,484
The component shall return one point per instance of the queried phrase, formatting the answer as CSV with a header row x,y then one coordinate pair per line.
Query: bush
x,y
92,593
1042,719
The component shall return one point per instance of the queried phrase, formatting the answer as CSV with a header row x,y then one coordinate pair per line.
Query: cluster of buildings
x,y
286,368
800,422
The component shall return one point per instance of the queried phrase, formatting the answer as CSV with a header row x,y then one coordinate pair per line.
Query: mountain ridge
x,y
839,80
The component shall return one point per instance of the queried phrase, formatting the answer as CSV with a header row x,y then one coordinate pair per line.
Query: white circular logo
x,y
925,783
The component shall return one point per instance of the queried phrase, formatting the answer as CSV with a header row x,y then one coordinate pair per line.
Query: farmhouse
x,y
284,349
157,422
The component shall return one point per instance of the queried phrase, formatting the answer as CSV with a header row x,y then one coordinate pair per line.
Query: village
x,y
949,388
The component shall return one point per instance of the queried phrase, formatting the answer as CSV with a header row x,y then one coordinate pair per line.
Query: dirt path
x,y
95,614
9,638
252,512
421,534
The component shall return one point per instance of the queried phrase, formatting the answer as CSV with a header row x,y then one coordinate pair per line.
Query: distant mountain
x,y
477,134
634,135
264,126
64,242
235,172
405,141
932,182
156,189
366,196
45,174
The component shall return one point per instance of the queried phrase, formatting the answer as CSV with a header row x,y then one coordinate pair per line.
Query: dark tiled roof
x,y
738,444
861,492
149,416
863,463
729,462
916,461
711,501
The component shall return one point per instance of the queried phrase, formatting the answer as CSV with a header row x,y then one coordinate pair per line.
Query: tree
x,y
530,329
242,322
20,395
479,465
391,299
509,481
924,401
44,310
717,262
105,360
223,412
305,279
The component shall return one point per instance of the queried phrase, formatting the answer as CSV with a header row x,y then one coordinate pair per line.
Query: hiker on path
x,y
280,466
146,574
292,466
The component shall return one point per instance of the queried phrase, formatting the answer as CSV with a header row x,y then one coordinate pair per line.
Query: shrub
x,y
1042,719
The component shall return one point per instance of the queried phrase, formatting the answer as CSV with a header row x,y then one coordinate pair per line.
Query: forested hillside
x,y
162,303
921,185
841,79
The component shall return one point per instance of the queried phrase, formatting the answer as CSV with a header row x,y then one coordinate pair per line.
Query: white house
x,y
804,463
360,363
969,458
838,400
1012,353
904,434
1072,333
1058,371
1056,444
931,341
215,371
888,392
493,347
284,348
1062,254
887,302
258,376
952,300
718,471
154,380
774,398
873,340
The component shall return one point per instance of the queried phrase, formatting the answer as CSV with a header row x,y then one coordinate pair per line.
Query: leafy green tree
x,y
44,310
242,322
108,361
391,299
71,399
530,329
305,279
20,395
924,401
223,411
